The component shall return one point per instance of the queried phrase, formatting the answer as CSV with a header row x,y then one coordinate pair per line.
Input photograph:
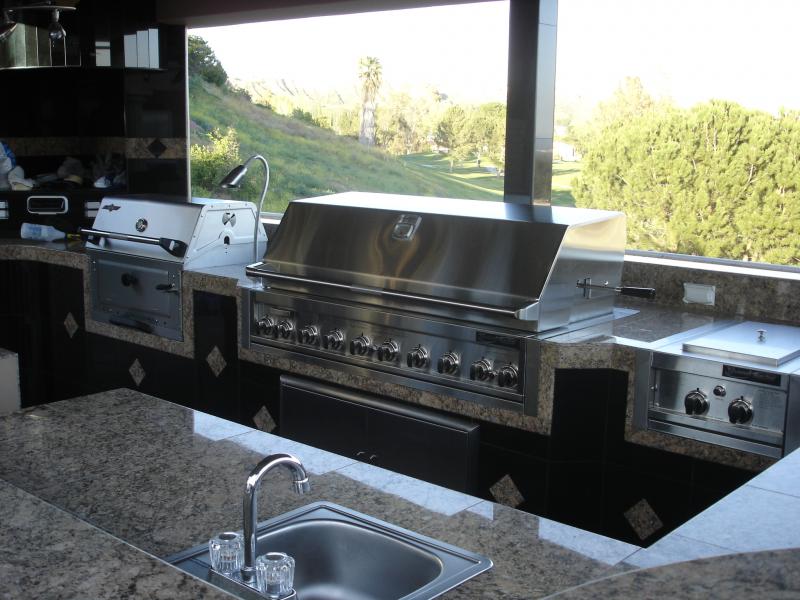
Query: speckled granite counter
x,y
47,553
163,478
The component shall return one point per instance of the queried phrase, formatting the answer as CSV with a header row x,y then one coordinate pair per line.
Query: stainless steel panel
x,y
715,438
762,343
498,255
500,347
151,300
792,430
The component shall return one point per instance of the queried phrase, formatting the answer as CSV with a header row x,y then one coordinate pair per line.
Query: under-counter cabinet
x,y
42,320
414,441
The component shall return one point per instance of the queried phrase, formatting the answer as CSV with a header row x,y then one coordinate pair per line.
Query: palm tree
x,y
370,76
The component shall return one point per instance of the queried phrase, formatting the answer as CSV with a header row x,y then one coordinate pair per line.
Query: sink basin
x,y
343,554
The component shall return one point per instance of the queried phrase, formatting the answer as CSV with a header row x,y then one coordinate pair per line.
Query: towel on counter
x,y
17,180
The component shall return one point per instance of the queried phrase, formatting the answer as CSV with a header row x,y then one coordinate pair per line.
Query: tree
x,y
486,132
370,76
452,133
716,179
212,161
203,62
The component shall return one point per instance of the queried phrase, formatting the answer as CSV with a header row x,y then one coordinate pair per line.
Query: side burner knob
x,y
448,364
740,411
266,326
417,358
388,350
333,339
285,329
695,402
508,376
309,334
481,370
360,345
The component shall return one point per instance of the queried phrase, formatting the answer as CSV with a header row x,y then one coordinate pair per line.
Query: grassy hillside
x,y
306,160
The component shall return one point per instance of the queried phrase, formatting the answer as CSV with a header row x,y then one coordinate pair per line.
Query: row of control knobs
x,y
740,411
418,358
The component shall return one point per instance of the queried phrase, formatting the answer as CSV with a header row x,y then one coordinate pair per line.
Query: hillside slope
x,y
306,160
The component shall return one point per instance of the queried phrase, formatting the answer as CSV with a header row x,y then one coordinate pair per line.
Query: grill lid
x,y
497,255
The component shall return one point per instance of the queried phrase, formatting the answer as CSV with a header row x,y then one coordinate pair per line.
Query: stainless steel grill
x,y
446,295
734,384
139,246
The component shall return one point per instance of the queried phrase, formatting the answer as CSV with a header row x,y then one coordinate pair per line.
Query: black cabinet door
x,y
66,332
216,355
117,364
323,422
29,291
423,449
406,439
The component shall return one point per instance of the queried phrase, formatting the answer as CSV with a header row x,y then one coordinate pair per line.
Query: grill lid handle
x,y
176,248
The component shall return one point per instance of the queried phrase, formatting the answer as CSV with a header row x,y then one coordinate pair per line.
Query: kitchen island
x,y
94,488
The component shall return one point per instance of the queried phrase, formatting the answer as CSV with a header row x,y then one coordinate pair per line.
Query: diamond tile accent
x,y
505,491
643,519
216,361
264,420
156,147
71,325
137,372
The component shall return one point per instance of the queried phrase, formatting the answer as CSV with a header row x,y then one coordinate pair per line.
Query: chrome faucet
x,y
250,502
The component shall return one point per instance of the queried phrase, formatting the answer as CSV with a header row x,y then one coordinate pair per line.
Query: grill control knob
x,y
417,358
695,402
448,363
333,339
388,350
309,334
266,326
740,411
360,345
481,370
507,376
285,329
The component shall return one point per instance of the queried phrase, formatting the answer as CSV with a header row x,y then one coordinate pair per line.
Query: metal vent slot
x,y
47,205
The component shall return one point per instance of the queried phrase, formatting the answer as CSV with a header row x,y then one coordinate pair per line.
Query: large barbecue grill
x,y
139,246
445,295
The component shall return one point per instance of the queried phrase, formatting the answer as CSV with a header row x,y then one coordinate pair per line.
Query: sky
x,y
687,50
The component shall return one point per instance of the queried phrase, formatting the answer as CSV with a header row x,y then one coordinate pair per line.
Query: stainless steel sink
x,y
343,554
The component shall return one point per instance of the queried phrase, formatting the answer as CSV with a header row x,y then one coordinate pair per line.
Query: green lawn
x,y
307,161
563,174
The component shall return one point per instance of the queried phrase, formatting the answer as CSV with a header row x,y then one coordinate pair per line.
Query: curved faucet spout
x,y
250,503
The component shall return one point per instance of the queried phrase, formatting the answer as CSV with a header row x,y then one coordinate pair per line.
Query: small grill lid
x,y
762,343
488,253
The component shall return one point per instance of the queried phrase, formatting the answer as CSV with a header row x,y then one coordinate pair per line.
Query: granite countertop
x,y
163,478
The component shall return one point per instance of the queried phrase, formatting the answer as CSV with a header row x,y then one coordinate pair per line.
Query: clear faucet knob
x,y
227,552
275,574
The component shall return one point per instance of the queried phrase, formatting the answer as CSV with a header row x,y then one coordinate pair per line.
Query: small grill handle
x,y
638,292
174,247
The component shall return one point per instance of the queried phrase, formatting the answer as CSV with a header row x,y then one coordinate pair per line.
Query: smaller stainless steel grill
x,y
445,295
735,384
139,246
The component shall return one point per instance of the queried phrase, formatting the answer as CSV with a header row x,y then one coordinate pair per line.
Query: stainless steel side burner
x,y
735,384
